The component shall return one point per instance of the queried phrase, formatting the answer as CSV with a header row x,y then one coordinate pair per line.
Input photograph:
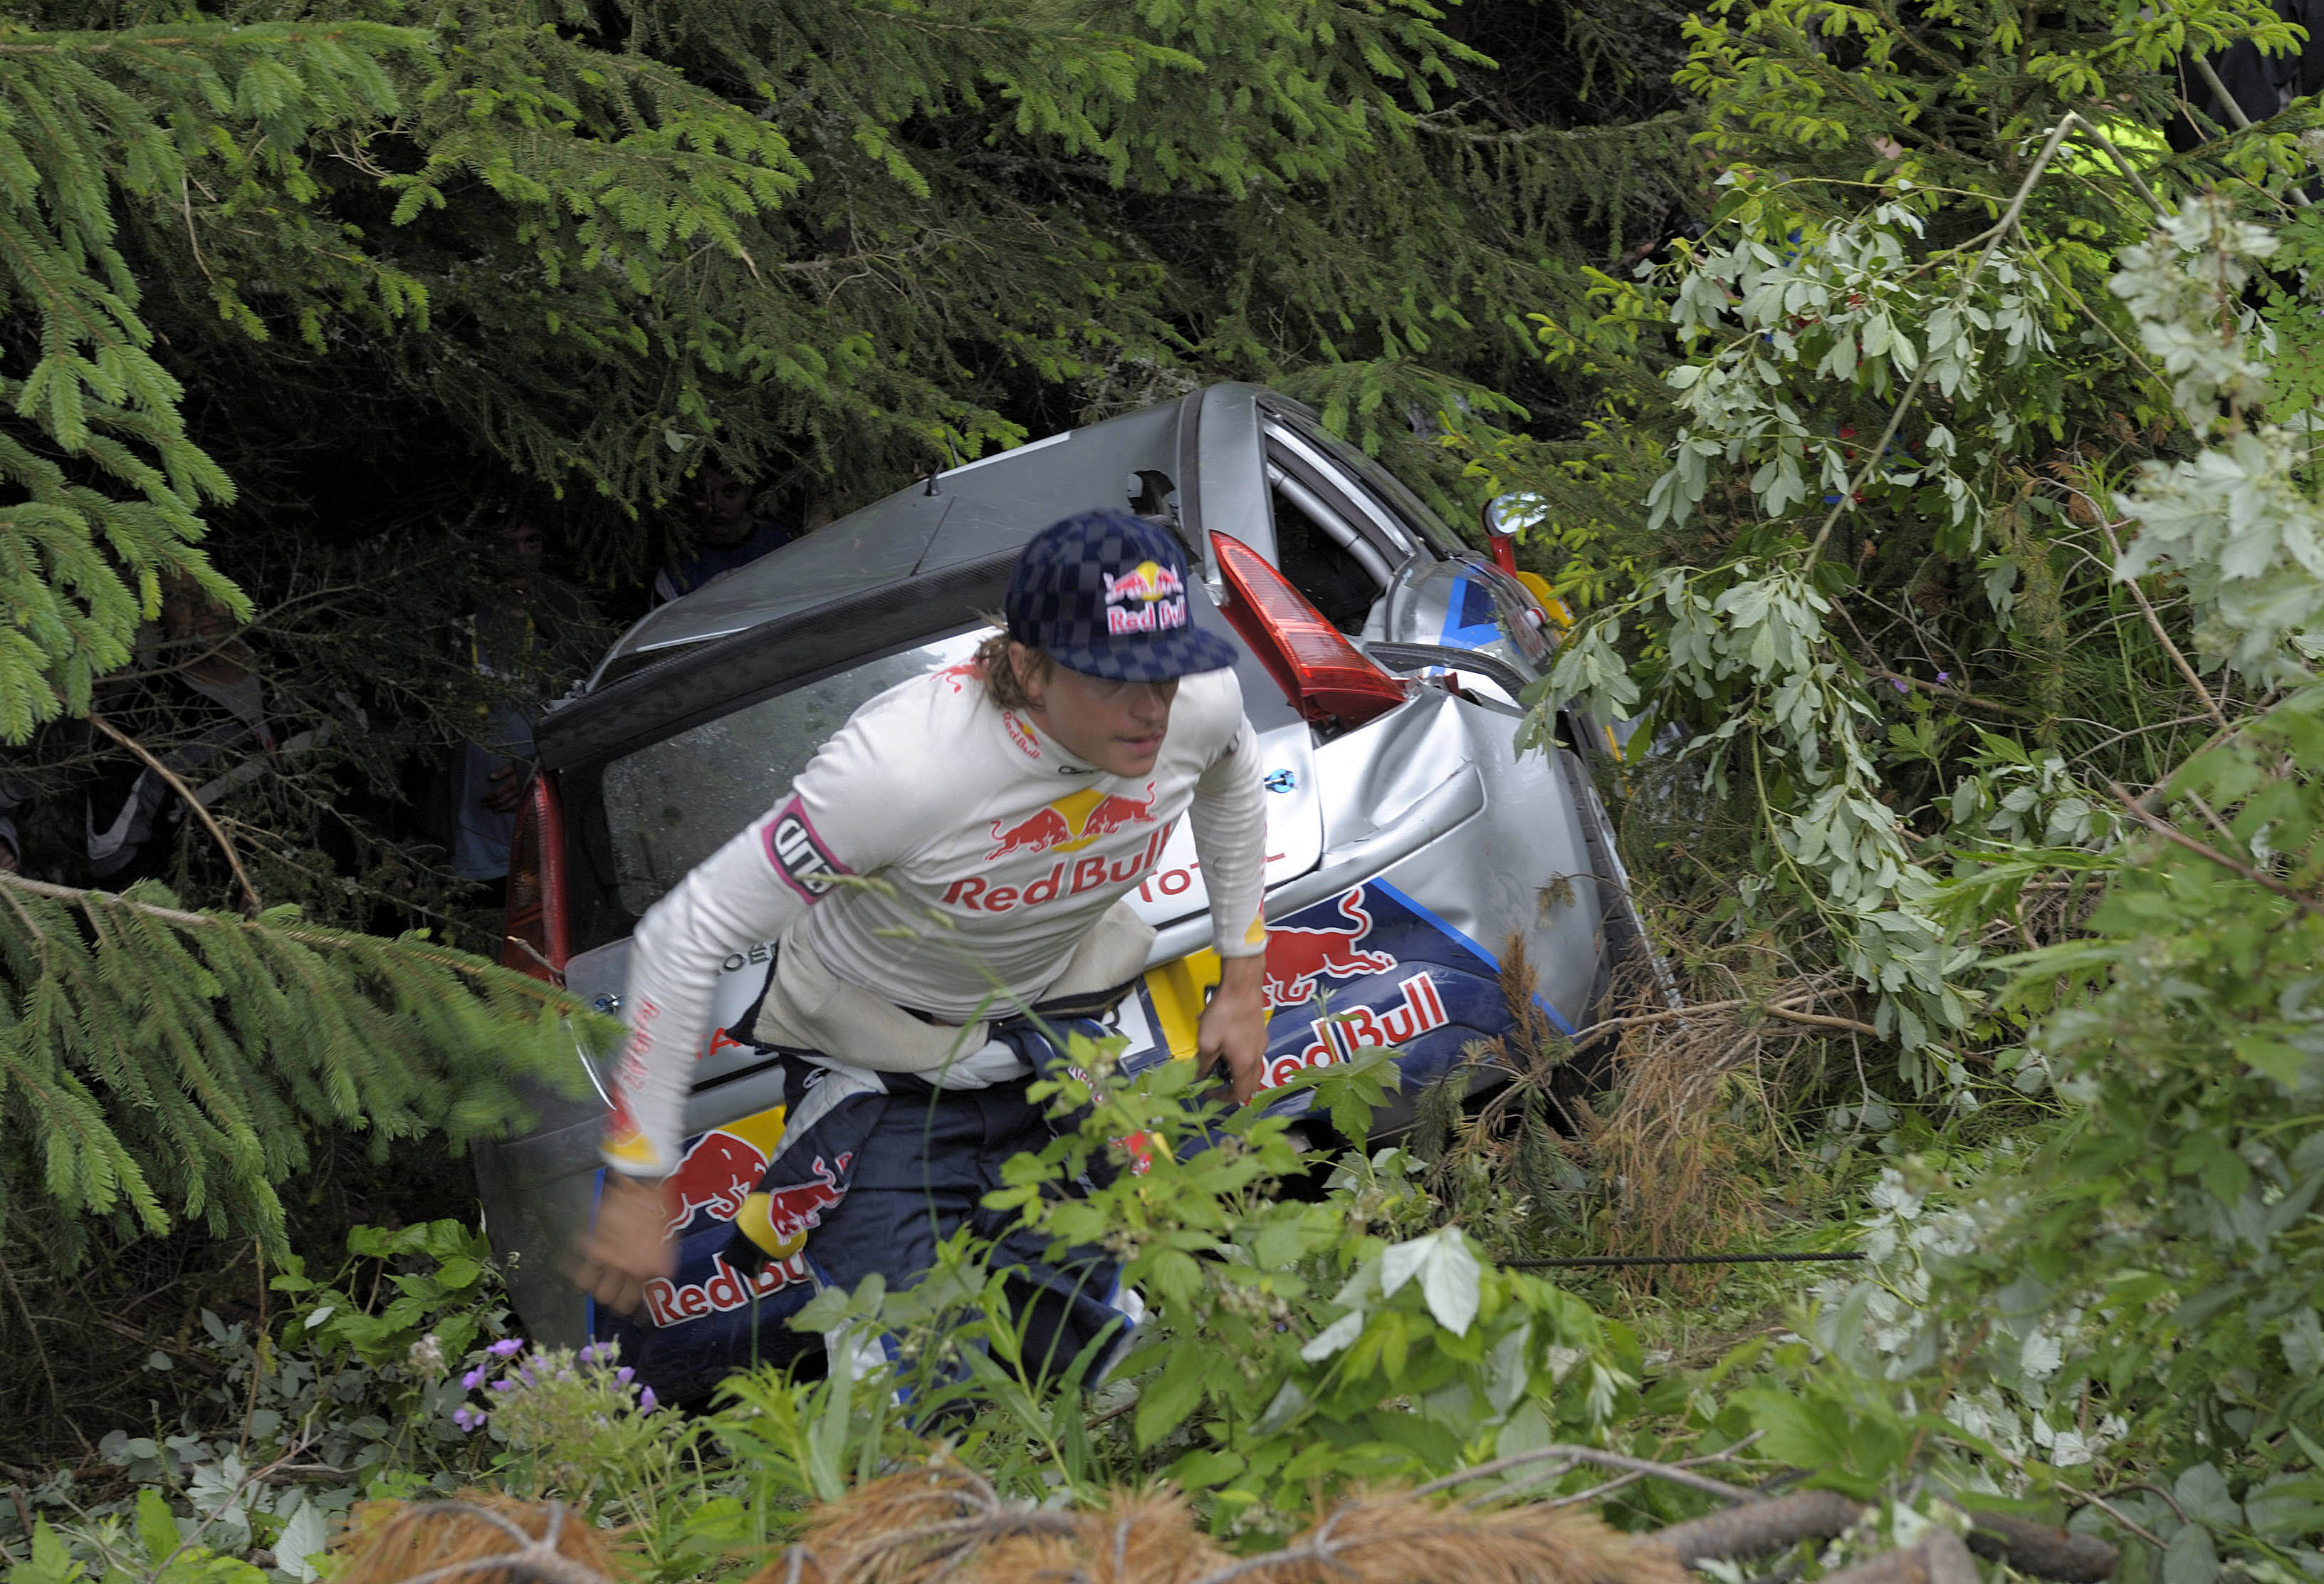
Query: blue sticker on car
x,y
1470,616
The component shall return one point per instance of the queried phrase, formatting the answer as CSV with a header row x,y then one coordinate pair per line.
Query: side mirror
x,y
1508,515
1505,515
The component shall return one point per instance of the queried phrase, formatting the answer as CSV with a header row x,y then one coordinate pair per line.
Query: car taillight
x,y
1323,676
535,938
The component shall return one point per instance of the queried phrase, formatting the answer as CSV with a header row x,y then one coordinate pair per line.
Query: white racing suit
x,y
941,867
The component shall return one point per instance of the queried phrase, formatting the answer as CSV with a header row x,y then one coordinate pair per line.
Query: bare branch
x,y
233,858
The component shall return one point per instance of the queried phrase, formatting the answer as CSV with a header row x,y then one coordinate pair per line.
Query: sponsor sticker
x,y
798,856
725,1289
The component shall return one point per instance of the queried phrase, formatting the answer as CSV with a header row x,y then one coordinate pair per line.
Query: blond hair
x,y
995,669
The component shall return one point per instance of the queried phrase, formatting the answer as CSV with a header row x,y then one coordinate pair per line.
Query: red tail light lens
x,y
536,939
1324,676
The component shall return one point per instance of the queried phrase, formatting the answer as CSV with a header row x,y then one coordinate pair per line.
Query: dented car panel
x,y
1407,856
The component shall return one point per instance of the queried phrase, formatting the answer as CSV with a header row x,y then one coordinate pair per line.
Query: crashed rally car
x,y
1380,662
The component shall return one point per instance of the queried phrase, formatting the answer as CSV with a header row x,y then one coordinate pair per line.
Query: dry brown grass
x,y
480,1538
944,1525
1673,1156
1679,1160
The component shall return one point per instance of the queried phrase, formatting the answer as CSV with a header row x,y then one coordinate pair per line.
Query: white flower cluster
x,y
1888,1324
2232,521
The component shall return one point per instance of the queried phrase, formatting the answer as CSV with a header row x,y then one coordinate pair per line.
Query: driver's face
x,y
1117,726
722,502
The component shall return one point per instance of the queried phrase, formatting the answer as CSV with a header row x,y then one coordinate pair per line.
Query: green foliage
x,y
158,1062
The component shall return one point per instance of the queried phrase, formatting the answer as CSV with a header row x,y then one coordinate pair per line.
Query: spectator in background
x,y
204,709
726,535
2261,85
532,641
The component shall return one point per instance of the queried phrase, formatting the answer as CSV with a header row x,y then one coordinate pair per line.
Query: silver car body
x,y
1403,855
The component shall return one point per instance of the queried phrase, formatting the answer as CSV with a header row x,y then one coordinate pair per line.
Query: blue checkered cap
x,y
1108,595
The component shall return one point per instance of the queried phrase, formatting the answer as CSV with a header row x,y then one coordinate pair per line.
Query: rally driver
x,y
1000,810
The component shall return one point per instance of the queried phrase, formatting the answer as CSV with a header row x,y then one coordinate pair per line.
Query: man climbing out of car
x,y
944,882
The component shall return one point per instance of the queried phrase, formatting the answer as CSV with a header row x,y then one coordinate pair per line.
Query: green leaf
x,y
1170,1397
2190,1558
157,1526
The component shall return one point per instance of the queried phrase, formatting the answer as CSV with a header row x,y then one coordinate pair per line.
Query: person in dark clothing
x,y
2261,85
538,637
726,535
207,712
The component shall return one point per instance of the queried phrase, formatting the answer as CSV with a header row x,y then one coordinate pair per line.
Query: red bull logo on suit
x,y
1067,825
725,1289
716,1175
1072,823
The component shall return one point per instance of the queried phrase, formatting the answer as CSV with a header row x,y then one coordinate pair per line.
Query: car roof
x,y
959,516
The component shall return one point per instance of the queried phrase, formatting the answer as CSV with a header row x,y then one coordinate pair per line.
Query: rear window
x,y
1391,491
670,806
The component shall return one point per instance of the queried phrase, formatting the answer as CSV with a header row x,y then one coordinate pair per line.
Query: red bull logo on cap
x,y
1297,957
1149,597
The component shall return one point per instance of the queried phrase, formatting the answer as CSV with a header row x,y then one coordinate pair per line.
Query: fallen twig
x,y
1765,1526
1760,1527
1677,1474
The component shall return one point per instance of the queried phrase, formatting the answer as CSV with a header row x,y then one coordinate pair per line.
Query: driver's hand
x,y
626,1248
504,790
1233,1026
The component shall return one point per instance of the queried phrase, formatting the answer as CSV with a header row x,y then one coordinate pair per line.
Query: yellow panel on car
x,y
1181,990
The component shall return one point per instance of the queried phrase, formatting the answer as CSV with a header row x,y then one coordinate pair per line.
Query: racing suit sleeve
x,y
831,826
1229,816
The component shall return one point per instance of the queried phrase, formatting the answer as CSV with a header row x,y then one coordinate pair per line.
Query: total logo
x,y
1420,1008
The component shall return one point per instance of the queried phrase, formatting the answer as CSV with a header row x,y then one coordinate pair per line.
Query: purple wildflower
x,y
468,1418
1944,676
505,1385
1897,683
592,1352
473,1379
506,1347
646,1402
624,1374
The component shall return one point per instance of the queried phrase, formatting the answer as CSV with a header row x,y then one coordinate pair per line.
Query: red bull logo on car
x,y
721,1170
1420,1009
778,1219
1296,958
1369,967
1149,597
